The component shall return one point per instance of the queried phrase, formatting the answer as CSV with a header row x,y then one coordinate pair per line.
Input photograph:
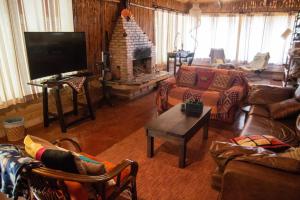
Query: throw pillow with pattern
x,y
220,82
186,78
265,141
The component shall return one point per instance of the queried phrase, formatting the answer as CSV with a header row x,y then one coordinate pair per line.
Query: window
x,y
17,16
241,36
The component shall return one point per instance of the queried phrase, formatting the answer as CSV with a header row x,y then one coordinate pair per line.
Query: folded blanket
x,y
14,167
75,82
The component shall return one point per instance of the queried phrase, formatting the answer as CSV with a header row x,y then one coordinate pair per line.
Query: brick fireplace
x,y
132,53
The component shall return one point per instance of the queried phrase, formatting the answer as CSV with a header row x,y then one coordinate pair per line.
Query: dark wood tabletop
x,y
175,122
175,125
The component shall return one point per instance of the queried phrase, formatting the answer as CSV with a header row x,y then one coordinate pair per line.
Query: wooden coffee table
x,y
175,125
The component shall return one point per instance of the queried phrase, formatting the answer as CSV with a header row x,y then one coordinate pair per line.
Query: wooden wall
x,y
95,16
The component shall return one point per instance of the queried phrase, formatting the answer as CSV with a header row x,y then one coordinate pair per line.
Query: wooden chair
x,y
46,183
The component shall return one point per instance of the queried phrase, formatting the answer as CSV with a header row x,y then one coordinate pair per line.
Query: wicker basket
x,y
14,129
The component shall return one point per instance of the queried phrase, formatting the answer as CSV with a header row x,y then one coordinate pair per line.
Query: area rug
x,y
159,177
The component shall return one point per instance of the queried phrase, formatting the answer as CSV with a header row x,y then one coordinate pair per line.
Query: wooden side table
x,y
179,55
60,115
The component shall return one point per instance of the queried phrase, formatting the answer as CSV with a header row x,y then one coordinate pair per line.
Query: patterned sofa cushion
x,y
186,78
204,78
220,82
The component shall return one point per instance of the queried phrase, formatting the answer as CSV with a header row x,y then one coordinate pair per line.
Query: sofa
x,y
222,90
259,178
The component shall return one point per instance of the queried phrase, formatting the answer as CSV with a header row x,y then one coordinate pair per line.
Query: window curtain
x,y
241,36
262,33
173,31
16,17
218,32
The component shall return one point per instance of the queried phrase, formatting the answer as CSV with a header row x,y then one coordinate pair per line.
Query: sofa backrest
x,y
212,78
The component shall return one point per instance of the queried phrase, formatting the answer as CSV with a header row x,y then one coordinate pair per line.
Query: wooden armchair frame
x,y
45,183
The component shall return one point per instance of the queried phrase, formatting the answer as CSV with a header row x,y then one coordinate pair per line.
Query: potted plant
x,y
193,106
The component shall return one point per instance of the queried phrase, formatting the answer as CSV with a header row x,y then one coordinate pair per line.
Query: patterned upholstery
x,y
220,82
187,78
222,90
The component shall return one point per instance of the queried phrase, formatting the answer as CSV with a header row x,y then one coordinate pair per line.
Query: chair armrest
x,y
246,181
66,176
162,93
265,94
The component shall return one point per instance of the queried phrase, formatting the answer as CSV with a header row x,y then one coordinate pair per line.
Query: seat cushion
x,y
79,191
258,125
176,95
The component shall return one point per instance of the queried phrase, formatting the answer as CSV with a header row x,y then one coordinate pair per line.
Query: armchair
x,y
46,183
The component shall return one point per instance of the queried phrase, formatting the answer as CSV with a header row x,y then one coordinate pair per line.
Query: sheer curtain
x,y
218,32
172,30
241,36
262,33
17,16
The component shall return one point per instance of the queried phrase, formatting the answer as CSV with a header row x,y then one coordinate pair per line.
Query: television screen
x,y
51,53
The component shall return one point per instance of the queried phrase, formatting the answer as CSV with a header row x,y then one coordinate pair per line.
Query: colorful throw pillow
x,y
87,165
266,141
204,79
61,159
186,78
220,82
35,146
284,108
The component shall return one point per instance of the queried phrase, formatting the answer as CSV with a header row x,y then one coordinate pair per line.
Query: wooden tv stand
x,y
57,85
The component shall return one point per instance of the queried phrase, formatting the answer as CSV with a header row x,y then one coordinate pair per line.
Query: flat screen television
x,y
54,53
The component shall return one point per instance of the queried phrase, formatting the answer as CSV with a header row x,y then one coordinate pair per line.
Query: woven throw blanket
x,y
14,167
75,82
